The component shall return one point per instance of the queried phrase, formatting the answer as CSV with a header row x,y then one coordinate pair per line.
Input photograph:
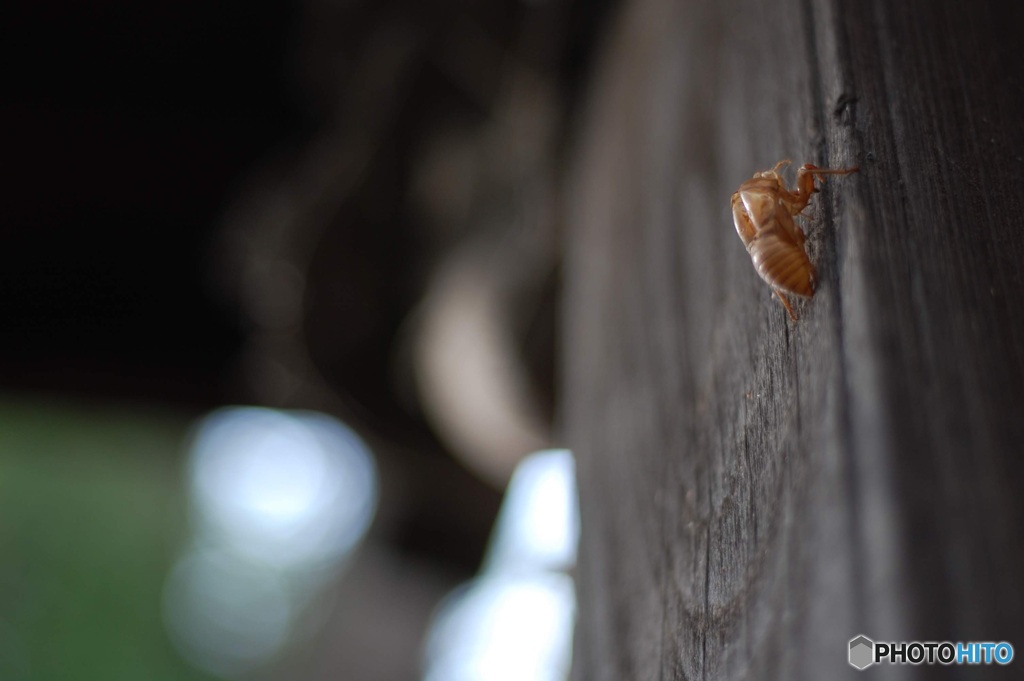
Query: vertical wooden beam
x,y
756,492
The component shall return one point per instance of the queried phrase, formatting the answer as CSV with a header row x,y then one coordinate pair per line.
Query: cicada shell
x,y
763,209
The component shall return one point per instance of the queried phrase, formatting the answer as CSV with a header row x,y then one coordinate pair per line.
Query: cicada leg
x,y
785,303
796,201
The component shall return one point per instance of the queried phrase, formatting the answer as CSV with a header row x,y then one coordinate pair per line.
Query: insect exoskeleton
x,y
763,209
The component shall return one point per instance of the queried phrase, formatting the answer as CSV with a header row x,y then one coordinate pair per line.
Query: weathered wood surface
x,y
756,492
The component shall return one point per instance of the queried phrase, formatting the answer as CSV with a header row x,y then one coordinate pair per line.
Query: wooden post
x,y
756,492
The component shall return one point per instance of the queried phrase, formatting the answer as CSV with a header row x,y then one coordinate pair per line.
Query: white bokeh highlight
x,y
504,628
538,525
515,621
280,499
289,488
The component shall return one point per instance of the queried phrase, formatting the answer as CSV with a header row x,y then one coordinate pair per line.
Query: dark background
x,y
134,136
128,126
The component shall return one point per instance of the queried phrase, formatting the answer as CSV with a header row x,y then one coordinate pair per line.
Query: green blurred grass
x,y
92,513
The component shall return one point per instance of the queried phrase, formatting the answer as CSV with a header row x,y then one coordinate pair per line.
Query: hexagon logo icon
x,y
862,652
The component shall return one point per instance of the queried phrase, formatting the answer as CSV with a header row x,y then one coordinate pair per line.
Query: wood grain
x,y
756,492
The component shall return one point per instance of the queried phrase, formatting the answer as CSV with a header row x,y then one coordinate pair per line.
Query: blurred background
x,y
278,285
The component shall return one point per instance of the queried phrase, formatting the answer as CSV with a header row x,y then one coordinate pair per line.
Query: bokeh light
x,y
504,628
288,488
280,499
538,527
225,614
515,621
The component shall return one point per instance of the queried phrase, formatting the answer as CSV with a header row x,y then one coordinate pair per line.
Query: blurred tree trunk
x,y
757,492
